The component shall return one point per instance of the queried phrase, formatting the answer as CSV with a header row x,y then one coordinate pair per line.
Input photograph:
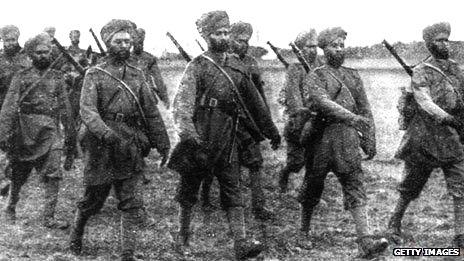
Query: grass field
x,y
428,223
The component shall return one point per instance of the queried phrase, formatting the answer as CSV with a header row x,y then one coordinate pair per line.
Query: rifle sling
x,y
126,89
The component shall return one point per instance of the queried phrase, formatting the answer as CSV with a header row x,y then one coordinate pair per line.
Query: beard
x,y
335,59
75,42
219,46
120,54
437,52
41,63
12,49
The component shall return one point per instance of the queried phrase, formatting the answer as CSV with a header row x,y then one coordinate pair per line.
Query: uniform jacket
x,y
9,65
436,96
104,107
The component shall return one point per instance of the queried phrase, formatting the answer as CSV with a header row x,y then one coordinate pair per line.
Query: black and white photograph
x,y
231,130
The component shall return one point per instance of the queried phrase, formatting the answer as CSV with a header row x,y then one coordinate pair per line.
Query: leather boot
x,y
283,180
258,200
394,225
370,248
243,248
77,232
183,236
51,199
306,215
130,219
9,213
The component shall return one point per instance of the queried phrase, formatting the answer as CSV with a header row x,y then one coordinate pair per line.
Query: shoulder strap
x,y
342,85
126,89
34,84
438,70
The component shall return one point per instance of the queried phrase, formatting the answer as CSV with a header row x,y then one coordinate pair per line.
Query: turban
x,y
50,30
9,30
304,37
431,31
329,35
42,38
212,21
74,32
140,34
241,28
115,26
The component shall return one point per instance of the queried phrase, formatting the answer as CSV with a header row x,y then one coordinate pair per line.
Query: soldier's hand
x,y
361,123
275,142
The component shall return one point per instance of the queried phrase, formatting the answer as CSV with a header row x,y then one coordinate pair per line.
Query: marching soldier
x,y
250,156
432,139
337,95
12,60
74,50
210,113
122,124
292,99
29,128
149,65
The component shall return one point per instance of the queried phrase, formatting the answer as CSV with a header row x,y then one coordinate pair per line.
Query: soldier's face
x,y
41,56
439,46
335,52
310,51
239,44
120,45
74,37
10,42
218,41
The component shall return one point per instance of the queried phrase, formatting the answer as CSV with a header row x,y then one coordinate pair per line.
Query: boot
x,y
77,232
205,192
129,221
243,248
370,248
51,199
183,236
394,225
258,200
9,213
283,180
306,215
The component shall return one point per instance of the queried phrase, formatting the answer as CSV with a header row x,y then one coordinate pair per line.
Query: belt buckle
x,y
119,117
213,102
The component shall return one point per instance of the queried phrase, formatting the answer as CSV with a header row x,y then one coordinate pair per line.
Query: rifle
x,y
179,47
88,52
199,44
393,52
102,51
300,57
68,57
281,59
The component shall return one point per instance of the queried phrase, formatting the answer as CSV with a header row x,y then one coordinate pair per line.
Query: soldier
x,y
337,94
209,110
37,99
12,60
431,140
74,49
121,123
149,65
292,99
250,156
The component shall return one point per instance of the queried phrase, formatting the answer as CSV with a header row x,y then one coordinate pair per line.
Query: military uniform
x,y
149,65
109,111
30,127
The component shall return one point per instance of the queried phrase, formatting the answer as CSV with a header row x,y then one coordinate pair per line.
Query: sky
x,y
367,22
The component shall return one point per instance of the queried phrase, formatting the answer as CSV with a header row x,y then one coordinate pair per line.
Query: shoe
x,y
370,248
283,181
245,249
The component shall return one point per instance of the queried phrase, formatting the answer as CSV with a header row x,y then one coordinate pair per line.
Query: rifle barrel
x,y
279,56
179,47
100,47
68,57
300,57
393,52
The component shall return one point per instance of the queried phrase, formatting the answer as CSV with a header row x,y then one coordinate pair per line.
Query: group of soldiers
x,y
222,115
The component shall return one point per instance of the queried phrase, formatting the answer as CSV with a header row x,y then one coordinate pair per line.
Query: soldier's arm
x,y
10,109
184,103
293,80
156,129
89,106
159,83
421,91
362,103
255,74
66,113
317,98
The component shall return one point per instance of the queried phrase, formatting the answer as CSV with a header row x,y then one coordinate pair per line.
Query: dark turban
x,y
9,30
212,21
329,35
241,28
115,26
431,31
31,44
304,37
